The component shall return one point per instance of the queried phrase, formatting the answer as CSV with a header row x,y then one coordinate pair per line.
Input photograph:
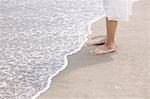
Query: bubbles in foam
x,y
35,38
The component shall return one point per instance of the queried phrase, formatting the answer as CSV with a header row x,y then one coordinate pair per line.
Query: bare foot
x,y
97,40
104,49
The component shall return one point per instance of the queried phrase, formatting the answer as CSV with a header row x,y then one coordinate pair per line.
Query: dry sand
x,y
121,75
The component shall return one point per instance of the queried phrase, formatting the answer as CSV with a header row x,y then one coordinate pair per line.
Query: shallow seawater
x,y
35,38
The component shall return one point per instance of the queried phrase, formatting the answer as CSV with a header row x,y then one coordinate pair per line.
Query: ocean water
x,y
35,38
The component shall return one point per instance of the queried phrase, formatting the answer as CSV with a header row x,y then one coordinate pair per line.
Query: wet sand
x,y
124,74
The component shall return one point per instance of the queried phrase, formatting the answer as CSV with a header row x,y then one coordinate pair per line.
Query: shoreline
x,y
66,59
114,76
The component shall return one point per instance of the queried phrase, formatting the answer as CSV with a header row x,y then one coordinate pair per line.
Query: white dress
x,y
118,9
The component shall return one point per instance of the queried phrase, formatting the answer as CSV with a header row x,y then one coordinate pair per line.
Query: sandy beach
x,y
124,74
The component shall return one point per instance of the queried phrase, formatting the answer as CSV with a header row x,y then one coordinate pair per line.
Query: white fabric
x,y
118,9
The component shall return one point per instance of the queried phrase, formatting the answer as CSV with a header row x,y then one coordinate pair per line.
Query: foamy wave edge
x,y
66,59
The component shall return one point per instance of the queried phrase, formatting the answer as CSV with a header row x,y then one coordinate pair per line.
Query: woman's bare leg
x,y
109,45
111,31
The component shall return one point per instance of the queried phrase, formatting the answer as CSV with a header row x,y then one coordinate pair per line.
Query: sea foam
x,y
36,36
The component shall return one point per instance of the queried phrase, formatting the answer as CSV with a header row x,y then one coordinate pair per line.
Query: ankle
x,y
110,45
